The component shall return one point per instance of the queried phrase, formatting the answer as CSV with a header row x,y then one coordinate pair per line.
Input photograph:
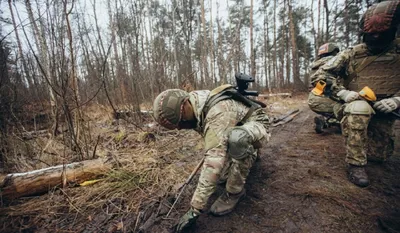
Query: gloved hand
x,y
348,96
187,220
387,105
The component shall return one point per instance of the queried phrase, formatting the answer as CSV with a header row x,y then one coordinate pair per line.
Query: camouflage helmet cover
x,y
381,17
327,49
167,107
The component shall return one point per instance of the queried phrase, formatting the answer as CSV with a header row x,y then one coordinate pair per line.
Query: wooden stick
x,y
185,184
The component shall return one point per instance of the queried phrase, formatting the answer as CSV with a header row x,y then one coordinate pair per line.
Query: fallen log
x,y
286,119
286,115
266,96
41,181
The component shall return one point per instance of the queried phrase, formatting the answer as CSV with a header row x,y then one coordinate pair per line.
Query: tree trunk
x,y
283,48
175,39
20,53
274,62
44,64
287,47
298,84
40,181
252,51
220,56
326,20
346,24
211,50
204,46
267,57
318,26
314,32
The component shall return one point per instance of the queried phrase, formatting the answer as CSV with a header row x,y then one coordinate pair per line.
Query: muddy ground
x,y
299,184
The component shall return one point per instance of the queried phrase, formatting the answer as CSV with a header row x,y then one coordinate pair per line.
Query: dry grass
x,y
146,172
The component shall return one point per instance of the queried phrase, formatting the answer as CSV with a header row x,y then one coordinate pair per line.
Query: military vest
x,y
225,92
379,72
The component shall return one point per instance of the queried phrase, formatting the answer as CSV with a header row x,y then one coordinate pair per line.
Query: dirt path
x,y
300,185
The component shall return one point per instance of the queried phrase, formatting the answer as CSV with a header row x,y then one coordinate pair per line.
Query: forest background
x,y
58,56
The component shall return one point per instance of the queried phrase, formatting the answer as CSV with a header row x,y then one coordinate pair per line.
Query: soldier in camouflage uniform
x,y
374,63
322,105
233,132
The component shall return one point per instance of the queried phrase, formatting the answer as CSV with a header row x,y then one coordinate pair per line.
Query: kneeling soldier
x,y
233,127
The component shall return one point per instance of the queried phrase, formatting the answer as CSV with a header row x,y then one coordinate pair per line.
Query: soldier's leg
x,y
225,171
380,138
323,106
239,171
354,125
210,173
320,104
243,154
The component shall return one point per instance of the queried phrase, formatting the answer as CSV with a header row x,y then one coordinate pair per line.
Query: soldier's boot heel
x,y
357,175
226,203
319,124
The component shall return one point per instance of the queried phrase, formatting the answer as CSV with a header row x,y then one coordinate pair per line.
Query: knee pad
x,y
240,143
359,107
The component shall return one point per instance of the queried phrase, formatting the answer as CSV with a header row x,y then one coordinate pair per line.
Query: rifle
x,y
242,83
186,183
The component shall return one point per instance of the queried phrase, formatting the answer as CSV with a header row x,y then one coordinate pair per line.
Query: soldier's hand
x,y
187,220
387,105
348,96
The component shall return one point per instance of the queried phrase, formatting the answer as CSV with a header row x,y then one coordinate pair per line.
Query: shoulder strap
x,y
230,93
247,116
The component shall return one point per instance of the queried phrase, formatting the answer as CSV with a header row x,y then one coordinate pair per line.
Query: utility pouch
x,y
319,88
368,94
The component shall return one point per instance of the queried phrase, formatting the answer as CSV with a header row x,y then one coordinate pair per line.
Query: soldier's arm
x,y
334,72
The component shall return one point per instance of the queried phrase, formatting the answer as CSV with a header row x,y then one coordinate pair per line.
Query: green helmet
x,y
167,107
327,49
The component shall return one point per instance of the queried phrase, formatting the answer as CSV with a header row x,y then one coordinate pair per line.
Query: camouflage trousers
x,y
235,172
368,137
219,165
321,104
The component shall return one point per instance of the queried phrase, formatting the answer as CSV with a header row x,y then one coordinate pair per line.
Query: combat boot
x,y
358,176
226,203
319,124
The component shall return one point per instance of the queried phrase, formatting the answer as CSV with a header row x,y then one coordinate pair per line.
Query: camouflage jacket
x,y
316,65
351,66
214,125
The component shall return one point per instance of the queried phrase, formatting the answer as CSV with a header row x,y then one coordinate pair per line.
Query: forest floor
x,y
299,184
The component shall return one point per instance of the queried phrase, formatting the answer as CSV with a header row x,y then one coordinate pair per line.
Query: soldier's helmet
x,y
327,49
381,17
168,106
